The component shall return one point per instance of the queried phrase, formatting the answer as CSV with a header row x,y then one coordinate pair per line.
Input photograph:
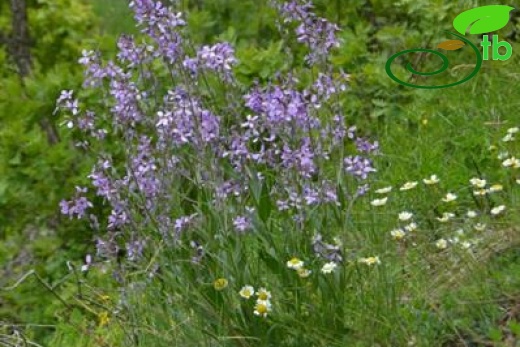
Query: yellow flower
x,y
495,188
370,261
103,318
220,283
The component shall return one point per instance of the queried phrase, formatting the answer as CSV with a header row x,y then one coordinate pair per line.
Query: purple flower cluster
x,y
174,139
358,166
317,33
77,206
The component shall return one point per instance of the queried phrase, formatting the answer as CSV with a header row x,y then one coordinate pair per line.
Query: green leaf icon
x,y
482,19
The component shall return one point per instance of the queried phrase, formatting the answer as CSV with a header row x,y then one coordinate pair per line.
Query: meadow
x,y
245,173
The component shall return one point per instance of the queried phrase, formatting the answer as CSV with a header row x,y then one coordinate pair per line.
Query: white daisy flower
x,y
411,227
329,267
408,186
384,190
471,214
449,197
379,202
441,244
446,216
497,210
477,182
405,215
246,292
294,263
479,227
432,180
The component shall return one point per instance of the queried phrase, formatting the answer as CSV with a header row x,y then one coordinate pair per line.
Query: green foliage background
x,y
439,130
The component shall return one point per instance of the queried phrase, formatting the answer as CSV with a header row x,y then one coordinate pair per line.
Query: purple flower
x,y
77,206
317,33
358,166
365,146
242,224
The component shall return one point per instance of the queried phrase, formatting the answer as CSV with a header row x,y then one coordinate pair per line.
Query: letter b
x,y
496,45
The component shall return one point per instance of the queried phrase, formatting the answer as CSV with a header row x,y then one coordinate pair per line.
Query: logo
x,y
479,20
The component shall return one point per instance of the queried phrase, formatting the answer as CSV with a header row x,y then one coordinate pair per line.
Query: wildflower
x,y
449,197
503,155
454,240
379,202
518,181
513,130
459,231
262,308
329,267
495,188
408,186
411,227
384,190
295,263
479,227
242,224
247,291
370,261
358,166
404,216
397,234
497,210
508,138
220,283
479,192
103,318
471,214
511,162
465,244
441,244
446,216
477,182
432,180
263,294
303,273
